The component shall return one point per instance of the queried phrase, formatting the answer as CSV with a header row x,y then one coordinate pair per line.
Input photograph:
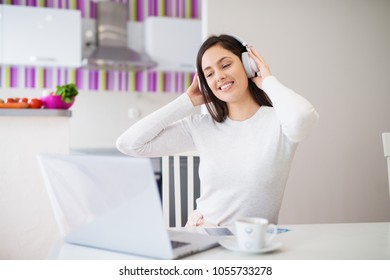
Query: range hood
x,y
111,51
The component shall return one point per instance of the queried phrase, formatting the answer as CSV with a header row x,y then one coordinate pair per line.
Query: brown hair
x,y
217,108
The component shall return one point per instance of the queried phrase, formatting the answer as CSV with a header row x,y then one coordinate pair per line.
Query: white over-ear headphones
x,y
250,66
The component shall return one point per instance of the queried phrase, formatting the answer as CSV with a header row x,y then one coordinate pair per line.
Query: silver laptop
x,y
112,203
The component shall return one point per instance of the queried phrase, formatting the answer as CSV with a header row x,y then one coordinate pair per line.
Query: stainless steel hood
x,y
111,48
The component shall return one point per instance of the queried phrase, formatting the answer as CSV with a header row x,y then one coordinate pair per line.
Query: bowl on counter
x,y
55,102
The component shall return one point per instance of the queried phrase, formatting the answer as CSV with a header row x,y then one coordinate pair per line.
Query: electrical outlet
x,y
133,113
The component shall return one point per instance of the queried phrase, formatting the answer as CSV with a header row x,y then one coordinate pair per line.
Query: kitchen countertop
x,y
35,113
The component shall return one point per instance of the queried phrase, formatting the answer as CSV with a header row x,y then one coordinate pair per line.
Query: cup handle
x,y
273,230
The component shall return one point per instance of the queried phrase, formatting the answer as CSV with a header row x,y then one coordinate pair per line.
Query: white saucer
x,y
232,244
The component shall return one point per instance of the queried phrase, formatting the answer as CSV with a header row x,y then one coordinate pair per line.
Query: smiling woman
x,y
220,64
225,75
247,142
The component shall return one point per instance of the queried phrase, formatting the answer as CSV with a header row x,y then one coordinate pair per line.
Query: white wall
x,y
336,54
98,118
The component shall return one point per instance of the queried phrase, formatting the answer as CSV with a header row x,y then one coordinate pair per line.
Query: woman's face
x,y
225,74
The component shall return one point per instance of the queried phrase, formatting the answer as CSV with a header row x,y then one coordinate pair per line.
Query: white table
x,y
352,241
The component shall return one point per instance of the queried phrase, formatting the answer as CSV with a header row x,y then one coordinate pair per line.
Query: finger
x,y
195,80
260,65
257,54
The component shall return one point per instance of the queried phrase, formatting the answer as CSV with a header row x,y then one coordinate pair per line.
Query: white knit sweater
x,y
244,165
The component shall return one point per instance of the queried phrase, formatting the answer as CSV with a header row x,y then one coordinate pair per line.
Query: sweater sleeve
x,y
162,132
297,116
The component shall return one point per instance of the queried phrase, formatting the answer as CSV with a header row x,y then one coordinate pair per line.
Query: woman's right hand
x,y
194,93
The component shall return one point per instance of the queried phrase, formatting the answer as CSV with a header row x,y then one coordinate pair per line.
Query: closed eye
x,y
226,65
208,75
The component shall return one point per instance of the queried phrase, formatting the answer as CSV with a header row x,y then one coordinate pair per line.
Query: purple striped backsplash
x,y
142,8
153,10
101,80
93,80
30,77
139,10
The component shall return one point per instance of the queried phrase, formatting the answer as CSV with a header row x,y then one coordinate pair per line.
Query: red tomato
x,y
35,103
11,100
23,100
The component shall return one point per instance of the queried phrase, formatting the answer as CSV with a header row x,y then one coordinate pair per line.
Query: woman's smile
x,y
226,86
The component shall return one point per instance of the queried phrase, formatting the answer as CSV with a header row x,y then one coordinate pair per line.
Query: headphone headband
x,y
242,42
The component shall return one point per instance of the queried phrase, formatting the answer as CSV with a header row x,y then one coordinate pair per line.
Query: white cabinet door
x,y
173,42
1,34
41,36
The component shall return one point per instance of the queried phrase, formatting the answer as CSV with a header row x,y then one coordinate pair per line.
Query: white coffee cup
x,y
254,233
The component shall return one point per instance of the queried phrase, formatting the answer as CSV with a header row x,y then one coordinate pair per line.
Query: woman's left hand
x,y
264,70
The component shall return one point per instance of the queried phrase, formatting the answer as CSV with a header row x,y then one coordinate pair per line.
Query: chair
x,y
386,149
180,184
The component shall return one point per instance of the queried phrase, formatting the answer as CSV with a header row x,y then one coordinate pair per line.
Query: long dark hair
x,y
217,108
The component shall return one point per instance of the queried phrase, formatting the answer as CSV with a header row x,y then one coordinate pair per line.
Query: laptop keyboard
x,y
177,244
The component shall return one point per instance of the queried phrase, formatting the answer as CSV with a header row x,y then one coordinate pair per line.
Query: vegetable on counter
x,y
67,92
62,98
21,103
35,103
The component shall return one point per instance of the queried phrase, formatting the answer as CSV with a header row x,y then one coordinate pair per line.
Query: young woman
x,y
246,143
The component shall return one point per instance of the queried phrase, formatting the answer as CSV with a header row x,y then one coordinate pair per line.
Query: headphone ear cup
x,y
249,65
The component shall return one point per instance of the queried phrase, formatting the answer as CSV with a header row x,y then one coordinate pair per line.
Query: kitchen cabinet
x,y
34,36
27,226
1,34
175,50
